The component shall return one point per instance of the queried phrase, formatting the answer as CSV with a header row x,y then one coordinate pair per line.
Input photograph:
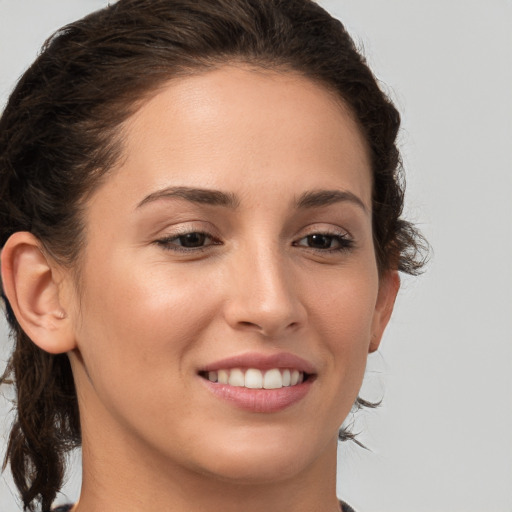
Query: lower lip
x,y
260,400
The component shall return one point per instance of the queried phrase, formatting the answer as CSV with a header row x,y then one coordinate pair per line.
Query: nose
x,y
263,296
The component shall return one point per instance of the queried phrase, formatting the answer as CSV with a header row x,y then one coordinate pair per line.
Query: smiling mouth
x,y
253,378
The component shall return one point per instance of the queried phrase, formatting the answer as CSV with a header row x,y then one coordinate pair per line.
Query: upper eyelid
x,y
206,228
331,230
183,232
173,236
339,234
183,228
209,233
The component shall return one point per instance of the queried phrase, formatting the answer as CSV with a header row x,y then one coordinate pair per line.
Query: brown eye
x,y
191,240
326,242
320,241
195,240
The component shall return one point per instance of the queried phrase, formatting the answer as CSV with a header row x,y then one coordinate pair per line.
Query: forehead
x,y
235,125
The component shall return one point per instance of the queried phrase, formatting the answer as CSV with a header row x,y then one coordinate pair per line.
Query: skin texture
x,y
149,315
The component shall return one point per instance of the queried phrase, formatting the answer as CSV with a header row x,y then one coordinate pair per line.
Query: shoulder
x,y
345,507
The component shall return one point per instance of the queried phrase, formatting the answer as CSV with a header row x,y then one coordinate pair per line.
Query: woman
x,y
201,239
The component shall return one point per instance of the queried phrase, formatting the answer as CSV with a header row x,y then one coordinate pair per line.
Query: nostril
x,y
266,328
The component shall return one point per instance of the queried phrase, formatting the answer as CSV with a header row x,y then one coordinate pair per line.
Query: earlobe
x,y
30,284
388,289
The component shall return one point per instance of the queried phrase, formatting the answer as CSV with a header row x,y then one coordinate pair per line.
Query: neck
x,y
130,481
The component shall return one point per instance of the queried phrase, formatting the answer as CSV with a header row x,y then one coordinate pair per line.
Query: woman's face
x,y
231,249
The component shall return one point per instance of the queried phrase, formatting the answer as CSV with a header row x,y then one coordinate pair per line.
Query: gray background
x,y
442,440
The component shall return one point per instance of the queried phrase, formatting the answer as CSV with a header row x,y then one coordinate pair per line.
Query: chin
x,y
261,459
257,470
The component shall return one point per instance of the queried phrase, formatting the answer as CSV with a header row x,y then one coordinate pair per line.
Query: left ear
x,y
389,284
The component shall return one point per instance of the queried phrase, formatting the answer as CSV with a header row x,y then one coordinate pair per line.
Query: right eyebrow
x,y
195,195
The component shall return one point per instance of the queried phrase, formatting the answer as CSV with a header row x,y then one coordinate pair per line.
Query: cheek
x,y
342,311
138,334
137,319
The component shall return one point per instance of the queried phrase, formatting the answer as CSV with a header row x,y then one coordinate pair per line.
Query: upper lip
x,y
262,362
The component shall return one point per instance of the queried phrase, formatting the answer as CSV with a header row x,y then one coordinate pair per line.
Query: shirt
x,y
67,508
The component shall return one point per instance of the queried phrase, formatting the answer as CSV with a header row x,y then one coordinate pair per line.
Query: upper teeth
x,y
256,379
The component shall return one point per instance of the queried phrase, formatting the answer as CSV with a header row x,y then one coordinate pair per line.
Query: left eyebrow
x,y
195,195
319,198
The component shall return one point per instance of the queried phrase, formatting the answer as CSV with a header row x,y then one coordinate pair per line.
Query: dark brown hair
x,y
59,136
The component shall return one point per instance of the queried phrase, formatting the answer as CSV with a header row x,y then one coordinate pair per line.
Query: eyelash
x,y
345,243
167,242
